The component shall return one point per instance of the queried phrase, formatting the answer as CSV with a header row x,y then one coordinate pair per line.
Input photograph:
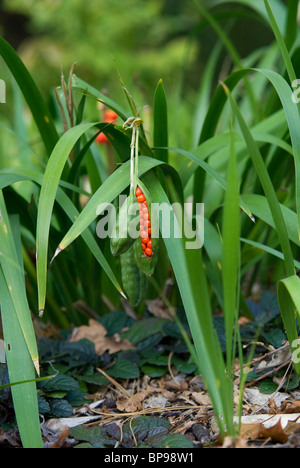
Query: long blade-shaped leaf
x,y
291,23
258,204
80,86
50,184
14,277
280,41
189,272
291,113
289,301
16,174
267,185
293,120
231,250
20,365
32,95
109,190
288,317
212,172
160,127
268,250
279,9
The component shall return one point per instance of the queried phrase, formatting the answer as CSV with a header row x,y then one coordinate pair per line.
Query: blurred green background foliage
x,y
144,39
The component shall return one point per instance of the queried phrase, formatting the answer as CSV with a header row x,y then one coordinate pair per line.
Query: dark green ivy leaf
x,y
124,369
60,409
60,382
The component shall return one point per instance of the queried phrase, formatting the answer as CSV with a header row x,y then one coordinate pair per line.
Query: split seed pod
x,y
134,281
121,240
146,247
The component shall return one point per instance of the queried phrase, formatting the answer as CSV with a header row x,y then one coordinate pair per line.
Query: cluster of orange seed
x,y
145,223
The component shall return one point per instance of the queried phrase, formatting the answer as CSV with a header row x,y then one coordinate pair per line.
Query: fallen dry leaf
x,y
292,427
201,398
157,308
260,400
171,396
276,433
156,401
10,437
275,359
183,385
132,404
292,407
273,407
185,426
250,431
96,333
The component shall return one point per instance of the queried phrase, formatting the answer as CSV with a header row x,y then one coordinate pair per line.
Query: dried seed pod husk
x,y
145,262
134,281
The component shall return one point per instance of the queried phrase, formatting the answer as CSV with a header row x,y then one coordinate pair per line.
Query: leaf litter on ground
x,y
116,376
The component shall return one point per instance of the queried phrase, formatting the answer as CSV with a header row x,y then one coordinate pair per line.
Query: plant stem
x,y
136,174
132,158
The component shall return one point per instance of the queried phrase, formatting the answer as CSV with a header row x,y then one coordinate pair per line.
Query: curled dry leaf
x,y
195,398
277,428
258,431
201,398
132,404
290,408
96,333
